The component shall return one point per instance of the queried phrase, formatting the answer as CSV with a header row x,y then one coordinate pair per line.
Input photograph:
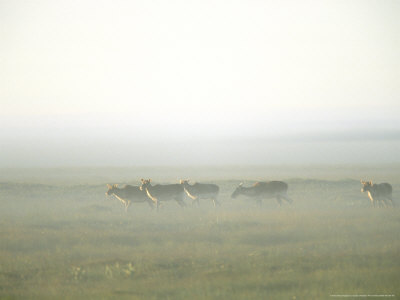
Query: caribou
x,y
199,191
165,192
378,193
264,190
128,194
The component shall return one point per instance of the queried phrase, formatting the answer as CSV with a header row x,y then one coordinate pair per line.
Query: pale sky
x,y
90,72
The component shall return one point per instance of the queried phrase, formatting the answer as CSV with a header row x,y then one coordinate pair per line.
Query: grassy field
x,y
61,237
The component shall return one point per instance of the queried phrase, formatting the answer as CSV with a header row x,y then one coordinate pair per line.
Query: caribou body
x,y
165,192
378,193
264,190
128,194
199,191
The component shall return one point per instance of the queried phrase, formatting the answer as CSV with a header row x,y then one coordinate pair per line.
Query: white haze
x,y
114,83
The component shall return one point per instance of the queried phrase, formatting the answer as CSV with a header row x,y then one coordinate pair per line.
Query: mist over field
x,y
154,83
370,148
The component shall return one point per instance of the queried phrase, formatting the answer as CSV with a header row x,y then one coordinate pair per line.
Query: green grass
x,y
60,241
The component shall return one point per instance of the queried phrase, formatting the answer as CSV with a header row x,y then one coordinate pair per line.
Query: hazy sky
x,y
101,82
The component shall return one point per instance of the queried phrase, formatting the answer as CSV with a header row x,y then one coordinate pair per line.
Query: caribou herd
x,y
380,194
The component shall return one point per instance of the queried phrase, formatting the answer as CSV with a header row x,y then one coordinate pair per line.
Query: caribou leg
x,y
157,203
195,200
151,204
278,199
287,198
391,201
127,203
180,201
215,202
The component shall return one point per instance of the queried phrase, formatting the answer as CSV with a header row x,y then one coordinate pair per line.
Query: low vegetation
x,y
71,241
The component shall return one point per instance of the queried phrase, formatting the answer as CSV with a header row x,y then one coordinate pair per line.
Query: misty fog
x,y
148,83
70,152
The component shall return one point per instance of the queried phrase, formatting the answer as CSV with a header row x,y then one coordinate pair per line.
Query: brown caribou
x,y
378,193
264,190
165,192
199,191
128,194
